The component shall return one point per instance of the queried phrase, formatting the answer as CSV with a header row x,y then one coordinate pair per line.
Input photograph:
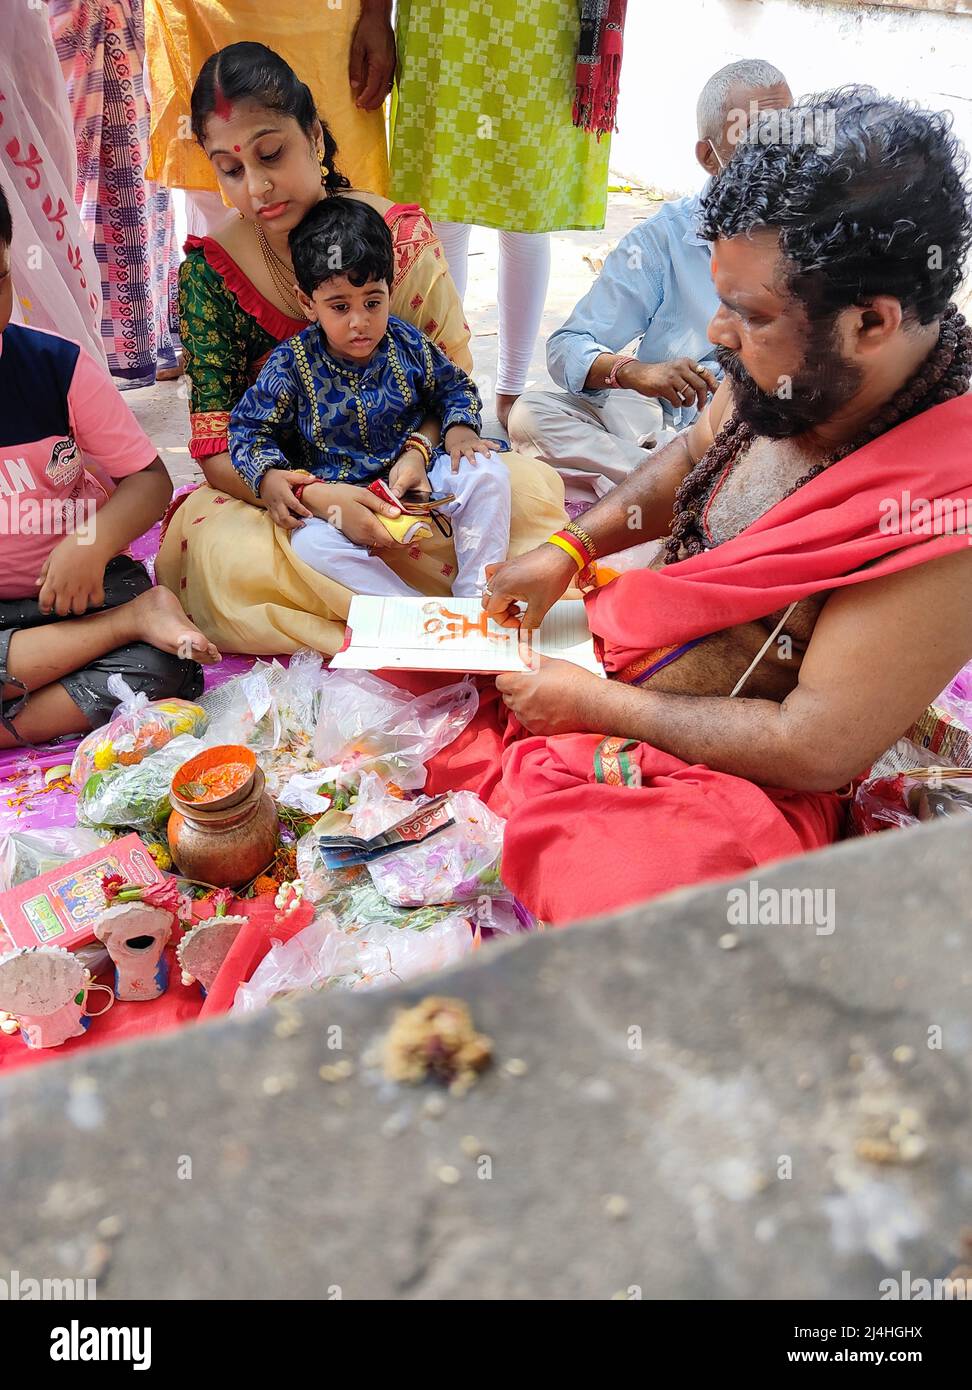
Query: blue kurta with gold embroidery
x,y
344,423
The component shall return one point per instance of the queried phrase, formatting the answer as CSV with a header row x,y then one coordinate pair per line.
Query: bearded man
x,y
786,634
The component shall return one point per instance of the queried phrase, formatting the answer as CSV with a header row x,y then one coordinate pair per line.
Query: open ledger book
x,y
454,634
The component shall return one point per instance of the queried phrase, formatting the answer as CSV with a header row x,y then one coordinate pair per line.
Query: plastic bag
x,y
956,698
458,864
243,711
381,952
138,796
269,704
910,783
366,724
910,798
359,907
298,697
317,880
273,711
26,854
374,808
302,792
137,727
362,805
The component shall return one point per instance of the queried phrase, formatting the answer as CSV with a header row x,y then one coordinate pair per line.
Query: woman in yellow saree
x,y
234,571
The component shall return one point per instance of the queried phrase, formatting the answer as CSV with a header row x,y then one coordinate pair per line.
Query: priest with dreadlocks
x,y
782,635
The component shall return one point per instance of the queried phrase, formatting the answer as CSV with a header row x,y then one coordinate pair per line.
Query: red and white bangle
x,y
621,361
422,444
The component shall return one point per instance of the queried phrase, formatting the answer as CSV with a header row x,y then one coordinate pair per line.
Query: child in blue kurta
x,y
357,396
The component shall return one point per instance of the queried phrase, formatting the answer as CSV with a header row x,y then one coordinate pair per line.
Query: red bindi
x,y
236,148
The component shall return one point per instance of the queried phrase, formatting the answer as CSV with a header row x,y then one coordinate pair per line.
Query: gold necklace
x,y
281,275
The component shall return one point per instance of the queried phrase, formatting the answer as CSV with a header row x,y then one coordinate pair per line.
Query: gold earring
x,y
324,171
241,217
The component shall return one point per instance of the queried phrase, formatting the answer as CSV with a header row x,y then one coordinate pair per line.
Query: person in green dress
x,y
483,133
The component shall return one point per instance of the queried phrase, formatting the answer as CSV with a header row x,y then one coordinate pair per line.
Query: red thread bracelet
x,y
622,361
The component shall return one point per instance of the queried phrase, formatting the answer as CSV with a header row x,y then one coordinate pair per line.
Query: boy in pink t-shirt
x,y
74,608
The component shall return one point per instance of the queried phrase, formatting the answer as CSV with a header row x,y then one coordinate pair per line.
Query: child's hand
x,y
408,472
277,492
355,511
462,442
73,578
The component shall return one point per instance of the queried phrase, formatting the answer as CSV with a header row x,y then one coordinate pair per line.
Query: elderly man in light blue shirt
x,y
655,291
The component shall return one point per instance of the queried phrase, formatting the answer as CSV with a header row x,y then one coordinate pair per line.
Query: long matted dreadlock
x,y
880,205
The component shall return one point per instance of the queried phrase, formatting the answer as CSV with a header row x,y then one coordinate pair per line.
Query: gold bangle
x,y
565,545
419,444
583,537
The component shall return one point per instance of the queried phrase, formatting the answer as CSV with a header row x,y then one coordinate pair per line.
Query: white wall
x,y
673,46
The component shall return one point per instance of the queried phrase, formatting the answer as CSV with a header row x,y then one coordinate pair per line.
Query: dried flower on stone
x,y
436,1038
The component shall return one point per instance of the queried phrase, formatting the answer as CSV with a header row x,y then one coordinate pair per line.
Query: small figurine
x,y
136,929
204,947
45,988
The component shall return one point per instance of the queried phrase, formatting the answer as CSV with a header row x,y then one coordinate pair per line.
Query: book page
x,y
454,634
564,633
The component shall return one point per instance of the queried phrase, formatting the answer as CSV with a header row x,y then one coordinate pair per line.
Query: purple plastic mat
x,y
146,548
28,802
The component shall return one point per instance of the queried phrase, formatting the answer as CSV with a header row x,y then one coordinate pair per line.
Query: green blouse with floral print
x,y
224,345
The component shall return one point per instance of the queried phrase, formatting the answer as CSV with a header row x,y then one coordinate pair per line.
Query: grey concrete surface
x,y
680,1106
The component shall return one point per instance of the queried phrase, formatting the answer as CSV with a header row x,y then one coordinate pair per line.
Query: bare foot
x,y
504,404
171,373
161,620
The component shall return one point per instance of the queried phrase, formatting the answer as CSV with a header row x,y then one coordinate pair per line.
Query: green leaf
x,y
192,791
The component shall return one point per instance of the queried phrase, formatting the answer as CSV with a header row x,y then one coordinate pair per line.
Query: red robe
x,y
595,825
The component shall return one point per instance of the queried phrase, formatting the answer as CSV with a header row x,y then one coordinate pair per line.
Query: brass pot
x,y
225,846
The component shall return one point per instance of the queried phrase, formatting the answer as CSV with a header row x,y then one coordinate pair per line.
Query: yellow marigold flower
x,y
104,756
161,856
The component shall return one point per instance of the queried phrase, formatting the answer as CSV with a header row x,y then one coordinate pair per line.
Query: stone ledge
x,y
613,1169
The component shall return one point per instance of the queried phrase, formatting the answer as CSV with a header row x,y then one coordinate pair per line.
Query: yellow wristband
x,y
568,549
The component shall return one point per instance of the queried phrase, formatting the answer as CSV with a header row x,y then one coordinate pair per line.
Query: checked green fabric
x,y
481,121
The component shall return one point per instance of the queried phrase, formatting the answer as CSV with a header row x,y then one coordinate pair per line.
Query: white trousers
x,y
481,533
524,272
593,446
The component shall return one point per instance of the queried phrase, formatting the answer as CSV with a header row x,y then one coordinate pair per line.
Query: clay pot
x,y
210,761
225,842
